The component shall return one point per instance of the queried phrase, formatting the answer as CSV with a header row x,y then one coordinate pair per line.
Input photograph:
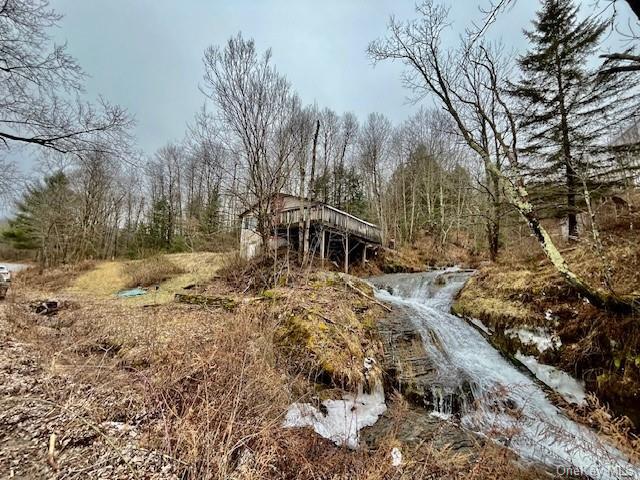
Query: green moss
x,y
617,362
329,335
368,321
271,294
324,279
602,380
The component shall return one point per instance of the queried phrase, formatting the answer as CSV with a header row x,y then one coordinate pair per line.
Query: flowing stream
x,y
475,385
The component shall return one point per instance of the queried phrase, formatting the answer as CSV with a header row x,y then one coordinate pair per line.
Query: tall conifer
x,y
566,109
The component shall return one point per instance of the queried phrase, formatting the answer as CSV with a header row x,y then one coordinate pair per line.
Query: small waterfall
x,y
442,402
488,395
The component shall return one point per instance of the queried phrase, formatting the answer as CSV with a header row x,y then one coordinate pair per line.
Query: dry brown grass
x,y
108,278
221,400
53,279
208,388
427,251
458,249
618,429
206,379
150,271
523,284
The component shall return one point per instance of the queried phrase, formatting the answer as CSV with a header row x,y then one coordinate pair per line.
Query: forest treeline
x,y
540,135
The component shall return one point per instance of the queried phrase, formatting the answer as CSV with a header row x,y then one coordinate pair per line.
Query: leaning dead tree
x,y
468,85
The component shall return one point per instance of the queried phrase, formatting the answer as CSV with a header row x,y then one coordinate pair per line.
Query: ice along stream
x,y
475,385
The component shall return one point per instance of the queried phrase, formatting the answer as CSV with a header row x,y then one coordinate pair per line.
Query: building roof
x,y
286,195
314,202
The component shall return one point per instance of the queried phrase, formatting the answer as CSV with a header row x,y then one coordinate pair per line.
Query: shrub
x,y
54,278
259,273
10,253
150,271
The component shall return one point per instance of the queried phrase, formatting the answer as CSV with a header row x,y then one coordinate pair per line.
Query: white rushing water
x,y
486,392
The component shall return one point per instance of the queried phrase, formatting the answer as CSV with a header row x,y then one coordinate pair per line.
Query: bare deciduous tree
x,y
10,182
39,88
374,144
434,71
254,103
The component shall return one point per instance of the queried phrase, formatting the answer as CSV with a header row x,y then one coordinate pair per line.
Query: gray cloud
x,y
146,54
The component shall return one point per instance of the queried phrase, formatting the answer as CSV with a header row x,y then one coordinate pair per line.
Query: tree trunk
x,y
312,192
518,196
571,177
572,219
494,221
301,221
492,237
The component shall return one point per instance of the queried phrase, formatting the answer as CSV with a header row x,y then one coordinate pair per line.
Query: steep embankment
x,y
531,310
148,387
469,382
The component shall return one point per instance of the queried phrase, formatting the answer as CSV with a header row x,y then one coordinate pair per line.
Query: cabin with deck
x,y
334,235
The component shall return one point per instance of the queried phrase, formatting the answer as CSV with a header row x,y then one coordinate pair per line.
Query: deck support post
x,y
322,242
346,253
288,245
364,254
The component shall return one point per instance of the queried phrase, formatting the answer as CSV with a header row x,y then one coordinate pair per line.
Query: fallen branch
x,y
51,454
324,317
369,297
226,303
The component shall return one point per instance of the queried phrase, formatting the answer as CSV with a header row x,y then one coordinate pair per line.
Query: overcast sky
x,y
147,54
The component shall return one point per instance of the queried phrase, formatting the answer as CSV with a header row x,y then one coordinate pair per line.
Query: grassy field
x,y
109,278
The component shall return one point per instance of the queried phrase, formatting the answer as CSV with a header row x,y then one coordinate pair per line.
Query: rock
x,y
418,427
413,372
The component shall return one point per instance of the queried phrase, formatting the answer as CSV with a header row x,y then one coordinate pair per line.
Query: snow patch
x,y
368,363
396,457
539,337
343,419
480,325
568,387
509,406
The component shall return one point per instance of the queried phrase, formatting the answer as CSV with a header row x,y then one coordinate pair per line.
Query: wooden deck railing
x,y
333,218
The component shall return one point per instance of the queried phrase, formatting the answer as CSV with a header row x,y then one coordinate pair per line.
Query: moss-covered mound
x,y
327,330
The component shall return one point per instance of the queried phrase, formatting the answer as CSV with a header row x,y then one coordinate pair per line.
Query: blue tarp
x,y
134,292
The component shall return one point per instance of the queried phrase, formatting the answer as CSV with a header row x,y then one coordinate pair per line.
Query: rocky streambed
x,y
452,374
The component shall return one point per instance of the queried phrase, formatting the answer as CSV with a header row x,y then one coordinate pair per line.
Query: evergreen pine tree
x,y
44,220
159,234
566,109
